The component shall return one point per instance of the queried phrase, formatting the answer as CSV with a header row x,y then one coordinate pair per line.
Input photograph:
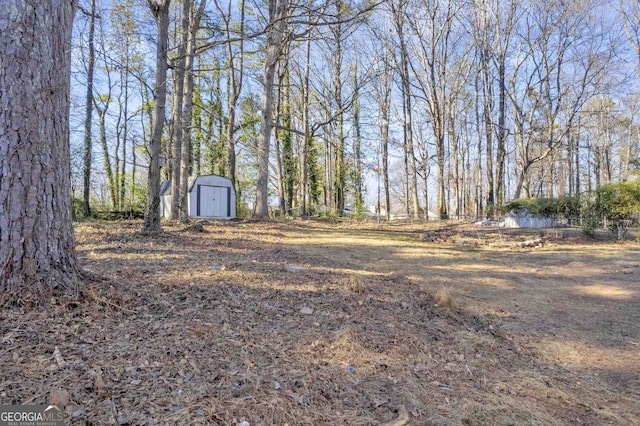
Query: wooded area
x,y
395,107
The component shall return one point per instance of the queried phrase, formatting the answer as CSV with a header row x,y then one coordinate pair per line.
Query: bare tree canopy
x,y
388,108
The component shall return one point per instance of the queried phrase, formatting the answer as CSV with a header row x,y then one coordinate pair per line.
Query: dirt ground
x,y
335,323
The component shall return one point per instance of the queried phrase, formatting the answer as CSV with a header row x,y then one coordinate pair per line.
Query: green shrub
x,y
614,203
618,202
589,218
539,207
77,208
569,206
243,211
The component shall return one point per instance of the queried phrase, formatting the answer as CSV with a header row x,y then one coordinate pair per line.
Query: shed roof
x,y
165,186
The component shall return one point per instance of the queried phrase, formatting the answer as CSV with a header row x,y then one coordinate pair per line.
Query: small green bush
x,y
619,202
569,206
539,207
614,203
243,211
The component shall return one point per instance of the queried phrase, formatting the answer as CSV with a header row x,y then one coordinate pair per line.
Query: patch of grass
x,y
443,299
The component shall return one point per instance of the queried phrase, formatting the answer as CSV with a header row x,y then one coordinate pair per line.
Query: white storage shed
x,y
522,219
210,197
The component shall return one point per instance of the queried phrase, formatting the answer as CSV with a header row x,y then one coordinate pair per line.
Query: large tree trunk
x,y
37,249
187,110
160,10
264,141
178,117
276,28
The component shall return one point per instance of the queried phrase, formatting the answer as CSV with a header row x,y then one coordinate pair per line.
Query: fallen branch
x,y
403,418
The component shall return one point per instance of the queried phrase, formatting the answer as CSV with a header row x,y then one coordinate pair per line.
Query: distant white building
x,y
210,197
398,211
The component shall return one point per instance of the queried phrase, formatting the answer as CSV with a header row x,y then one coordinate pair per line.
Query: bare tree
x,y
101,103
505,23
307,144
338,32
178,100
194,17
235,62
126,60
286,21
160,10
436,50
382,86
561,69
399,16
484,34
37,248
630,11
91,60
276,34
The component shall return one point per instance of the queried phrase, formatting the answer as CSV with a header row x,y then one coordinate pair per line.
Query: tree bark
x,y
187,110
275,33
37,248
160,10
178,101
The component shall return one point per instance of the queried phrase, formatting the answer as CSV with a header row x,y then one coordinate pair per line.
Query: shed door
x,y
212,201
